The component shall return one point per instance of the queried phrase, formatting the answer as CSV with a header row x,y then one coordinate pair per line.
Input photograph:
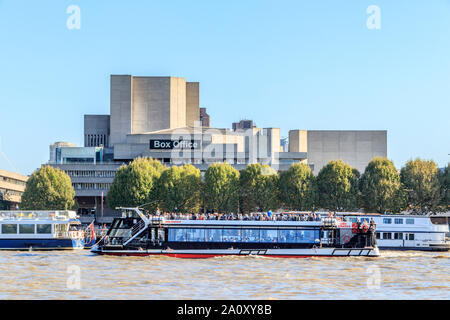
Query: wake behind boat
x,y
140,235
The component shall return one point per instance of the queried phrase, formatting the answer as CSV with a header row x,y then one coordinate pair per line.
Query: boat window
x,y
176,234
43,228
269,235
354,220
411,236
231,235
26,228
365,219
398,235
387,220
213,235
250,235
9,228
197,235
409,221
307,236
286,236
377,234
387,235
398,221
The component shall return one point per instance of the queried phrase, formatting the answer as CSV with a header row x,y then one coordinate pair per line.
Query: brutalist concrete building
x,y
160,117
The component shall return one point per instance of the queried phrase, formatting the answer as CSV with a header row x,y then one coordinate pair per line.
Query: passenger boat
x,y
407,232
138,234
40,230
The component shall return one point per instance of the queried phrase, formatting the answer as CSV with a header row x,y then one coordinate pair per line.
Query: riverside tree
x,y
445,188
337,185
48,188
381,188
134,185
421,181
258,188
221,188
179,189
298,189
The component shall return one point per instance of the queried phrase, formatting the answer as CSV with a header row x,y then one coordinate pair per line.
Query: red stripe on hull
x,y
205,256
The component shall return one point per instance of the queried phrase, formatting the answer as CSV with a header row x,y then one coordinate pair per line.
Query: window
x,y
409,221
286,236
197,235
398,221
26,228
307,236
250,235
213,235
411,236
9,228
387,235
177,234
231,235
387,220
269,235
398,235
377,234
43,228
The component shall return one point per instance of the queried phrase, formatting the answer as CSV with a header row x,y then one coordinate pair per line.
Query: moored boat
x,y
40,230
138,234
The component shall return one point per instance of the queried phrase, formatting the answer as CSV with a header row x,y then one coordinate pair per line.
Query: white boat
x,y
40,230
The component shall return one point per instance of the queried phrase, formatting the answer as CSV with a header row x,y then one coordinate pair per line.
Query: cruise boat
x,y
138,234
40,230
407,232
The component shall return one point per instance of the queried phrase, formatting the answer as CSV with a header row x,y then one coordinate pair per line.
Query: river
x,y
83,275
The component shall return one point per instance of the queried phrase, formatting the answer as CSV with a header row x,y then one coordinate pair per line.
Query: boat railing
x,y
37,215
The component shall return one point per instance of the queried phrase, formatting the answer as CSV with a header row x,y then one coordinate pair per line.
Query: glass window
x,y
213,235
387,235
365,219
250,235
177,234
197,235
398,221
231,235
9,228
377,235
269,235
409,221
398,235
286,236
43,228
387,220
411,236
307,236
26,228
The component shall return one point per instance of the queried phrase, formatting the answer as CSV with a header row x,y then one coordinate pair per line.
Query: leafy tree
x,y
445,188
381,188
298,189
134,185
221,188
421,181
48,188
337,184
179,189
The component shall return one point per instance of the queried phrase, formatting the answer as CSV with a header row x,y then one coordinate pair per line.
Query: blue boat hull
x,y
41,244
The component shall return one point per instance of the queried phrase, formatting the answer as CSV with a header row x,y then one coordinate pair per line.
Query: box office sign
x,y
174,144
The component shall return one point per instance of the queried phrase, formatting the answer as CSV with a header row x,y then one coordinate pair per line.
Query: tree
x,y
134,185
337,185
48,188
445,188
221,188
179,189
258,188
421,181
381,188
298,189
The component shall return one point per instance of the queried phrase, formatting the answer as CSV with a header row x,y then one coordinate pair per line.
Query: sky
x,y
312,65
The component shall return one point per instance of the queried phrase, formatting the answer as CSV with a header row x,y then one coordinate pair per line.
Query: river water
x,y
83,275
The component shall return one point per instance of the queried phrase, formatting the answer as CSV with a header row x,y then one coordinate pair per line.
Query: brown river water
x,y
83,275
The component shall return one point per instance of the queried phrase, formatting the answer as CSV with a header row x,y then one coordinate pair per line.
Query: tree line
x,y
419,186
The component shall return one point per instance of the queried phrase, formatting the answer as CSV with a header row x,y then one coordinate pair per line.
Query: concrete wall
x,y
96,127
298,141
177,103
192,103
120,105
356,148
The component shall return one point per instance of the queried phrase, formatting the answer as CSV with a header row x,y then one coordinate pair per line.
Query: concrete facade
x,y
192,103
120,107
12,186
96,130
357,148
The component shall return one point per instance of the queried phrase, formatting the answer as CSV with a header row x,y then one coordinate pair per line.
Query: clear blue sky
x,y
288,64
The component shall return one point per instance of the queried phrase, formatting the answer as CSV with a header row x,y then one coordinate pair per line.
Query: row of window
x,y
9,228
395,236
95,140
91,186
243,235
397,221
11,192
13,181
91,173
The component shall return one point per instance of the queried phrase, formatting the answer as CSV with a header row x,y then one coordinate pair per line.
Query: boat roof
x,y
56,215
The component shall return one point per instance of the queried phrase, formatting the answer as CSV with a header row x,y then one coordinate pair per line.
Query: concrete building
x,y
204,118
12,186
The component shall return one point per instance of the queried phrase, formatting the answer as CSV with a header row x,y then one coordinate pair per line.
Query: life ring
x,y
365,227
346,238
